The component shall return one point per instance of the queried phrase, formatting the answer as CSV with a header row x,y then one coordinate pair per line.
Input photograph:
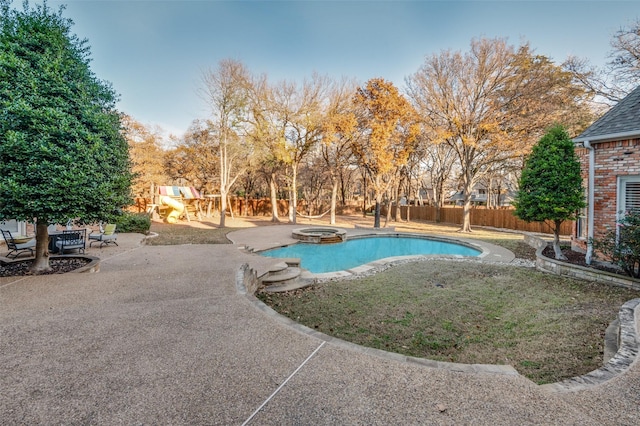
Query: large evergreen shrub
x,y
133,222
551,185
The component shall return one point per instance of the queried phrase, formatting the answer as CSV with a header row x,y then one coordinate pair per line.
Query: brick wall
x,y
612,159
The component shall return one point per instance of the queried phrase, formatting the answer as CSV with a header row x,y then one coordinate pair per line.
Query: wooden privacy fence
x,y
258,207
495,218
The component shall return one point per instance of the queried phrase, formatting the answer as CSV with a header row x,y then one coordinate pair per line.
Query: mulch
x,y
59,265
577,258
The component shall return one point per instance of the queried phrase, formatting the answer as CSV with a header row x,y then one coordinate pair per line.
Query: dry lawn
x,y
547,327
188,233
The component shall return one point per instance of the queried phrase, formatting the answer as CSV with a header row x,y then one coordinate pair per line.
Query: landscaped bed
x,y
577,258
547,327
59,265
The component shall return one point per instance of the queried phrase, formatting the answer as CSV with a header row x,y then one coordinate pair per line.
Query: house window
x,y
628,194
14,226
632,196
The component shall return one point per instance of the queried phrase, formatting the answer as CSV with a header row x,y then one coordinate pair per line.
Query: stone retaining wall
x,y
628,344
559,267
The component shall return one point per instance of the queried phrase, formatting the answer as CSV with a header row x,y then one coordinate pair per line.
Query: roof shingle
x,y
621,120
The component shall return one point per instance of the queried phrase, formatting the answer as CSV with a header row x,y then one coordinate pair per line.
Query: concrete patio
x,y
161,335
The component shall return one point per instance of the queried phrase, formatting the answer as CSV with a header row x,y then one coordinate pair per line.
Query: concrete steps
x,y
284,276
281,276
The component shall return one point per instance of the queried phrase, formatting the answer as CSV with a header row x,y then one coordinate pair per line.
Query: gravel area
x,y
161,336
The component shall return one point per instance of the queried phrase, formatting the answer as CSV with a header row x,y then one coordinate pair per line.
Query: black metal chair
x,y
75,239
17,246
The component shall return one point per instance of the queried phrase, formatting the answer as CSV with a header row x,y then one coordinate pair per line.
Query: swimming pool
x,y
319,258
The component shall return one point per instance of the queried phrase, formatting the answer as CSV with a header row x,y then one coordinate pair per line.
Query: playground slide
x,y
176,208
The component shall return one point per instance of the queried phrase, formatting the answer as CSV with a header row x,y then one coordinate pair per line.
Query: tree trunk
x,y
274,198
334,197
41,262
467,186
223,177
466,213
556,241
293,205
387,217
489,192
437,199
396,196
343,190
223,206
409,190
376,216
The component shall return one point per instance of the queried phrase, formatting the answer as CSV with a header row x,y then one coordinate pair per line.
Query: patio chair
x,y
18,244
106,236
72,240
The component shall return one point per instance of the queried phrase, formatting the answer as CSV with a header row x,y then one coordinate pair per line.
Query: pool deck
x,y
161,335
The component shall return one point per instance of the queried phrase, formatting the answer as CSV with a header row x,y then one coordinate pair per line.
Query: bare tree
x,y
338,133
625,57
490,104
267,133
439,161
226,89
147,156
300,112
611,83
193,159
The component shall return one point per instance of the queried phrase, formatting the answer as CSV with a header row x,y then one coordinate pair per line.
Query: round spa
x,y
319,235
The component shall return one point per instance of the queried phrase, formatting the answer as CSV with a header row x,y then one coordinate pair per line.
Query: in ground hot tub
x,y
319,235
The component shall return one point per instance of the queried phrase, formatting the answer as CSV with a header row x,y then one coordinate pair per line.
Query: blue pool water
x,y
319,258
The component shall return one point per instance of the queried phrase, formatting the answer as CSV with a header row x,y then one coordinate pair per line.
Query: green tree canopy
x,y
551,185
62,153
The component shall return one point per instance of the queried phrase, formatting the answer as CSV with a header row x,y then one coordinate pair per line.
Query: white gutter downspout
x,y
590,183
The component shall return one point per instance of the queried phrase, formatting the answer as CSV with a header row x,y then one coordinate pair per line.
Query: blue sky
x,y
154,52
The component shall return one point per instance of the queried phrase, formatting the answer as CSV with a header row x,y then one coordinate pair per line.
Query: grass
x,y
547,327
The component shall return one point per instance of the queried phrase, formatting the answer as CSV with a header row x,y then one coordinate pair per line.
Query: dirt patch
x,y
182,233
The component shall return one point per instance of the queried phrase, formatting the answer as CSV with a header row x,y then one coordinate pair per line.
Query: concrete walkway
x,y
162,336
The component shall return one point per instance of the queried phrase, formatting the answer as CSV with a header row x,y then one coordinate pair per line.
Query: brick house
x,y
609,153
